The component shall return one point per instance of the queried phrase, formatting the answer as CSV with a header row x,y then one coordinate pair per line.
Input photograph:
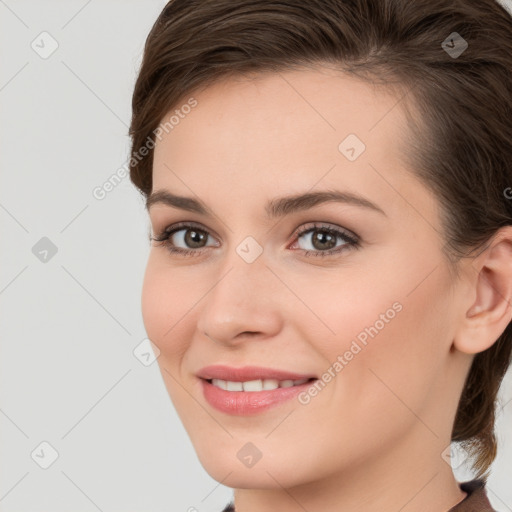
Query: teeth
x,y
252,385
256,385
269,384
220,383
234,386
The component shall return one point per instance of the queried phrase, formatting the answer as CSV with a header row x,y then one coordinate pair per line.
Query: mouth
x,y
231,374
250,390
257,385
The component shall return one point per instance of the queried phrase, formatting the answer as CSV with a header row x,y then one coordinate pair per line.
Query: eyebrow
x,y
277,207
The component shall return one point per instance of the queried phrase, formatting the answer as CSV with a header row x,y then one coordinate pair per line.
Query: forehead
x,y
276,106
275,133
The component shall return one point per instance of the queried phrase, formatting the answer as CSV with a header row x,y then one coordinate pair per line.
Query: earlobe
x,y
490,312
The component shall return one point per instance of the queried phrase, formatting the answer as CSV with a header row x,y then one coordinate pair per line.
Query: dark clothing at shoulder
x,y
475,501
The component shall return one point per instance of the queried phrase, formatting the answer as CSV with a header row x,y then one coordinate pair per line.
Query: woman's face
x,y
371,321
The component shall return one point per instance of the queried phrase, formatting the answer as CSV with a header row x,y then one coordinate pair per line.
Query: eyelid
x,y
351,239
302,229
317,225
178,226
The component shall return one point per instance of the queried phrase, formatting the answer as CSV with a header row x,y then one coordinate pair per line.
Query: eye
x,y
321,239
185,233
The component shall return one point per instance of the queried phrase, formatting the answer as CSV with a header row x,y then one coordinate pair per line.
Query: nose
x,y
243,303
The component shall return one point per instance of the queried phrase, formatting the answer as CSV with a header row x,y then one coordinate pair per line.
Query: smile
x,y
251,397
256,385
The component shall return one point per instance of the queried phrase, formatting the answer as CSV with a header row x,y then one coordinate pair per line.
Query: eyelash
x,y
352,241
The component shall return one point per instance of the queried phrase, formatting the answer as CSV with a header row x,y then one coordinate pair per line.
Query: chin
x,y
248,478
223,464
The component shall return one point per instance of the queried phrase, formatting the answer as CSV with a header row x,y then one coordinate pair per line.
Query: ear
x,y
490,278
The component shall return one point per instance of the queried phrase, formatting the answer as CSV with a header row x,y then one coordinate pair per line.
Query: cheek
x,y
161,305
153,300
164,312
388,339
169,305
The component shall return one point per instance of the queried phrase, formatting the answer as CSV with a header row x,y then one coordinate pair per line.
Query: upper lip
x,y
247,373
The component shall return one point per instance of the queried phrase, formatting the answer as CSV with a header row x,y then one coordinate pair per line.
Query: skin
x,y
372,439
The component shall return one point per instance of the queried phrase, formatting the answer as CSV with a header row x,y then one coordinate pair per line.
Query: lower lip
x,y
245,403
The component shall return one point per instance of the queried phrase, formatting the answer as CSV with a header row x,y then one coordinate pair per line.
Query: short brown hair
x,y
462,150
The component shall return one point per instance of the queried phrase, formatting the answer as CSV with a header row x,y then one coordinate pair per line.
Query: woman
x,y
329,283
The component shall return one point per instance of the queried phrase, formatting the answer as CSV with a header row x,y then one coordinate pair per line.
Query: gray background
x,y
71,320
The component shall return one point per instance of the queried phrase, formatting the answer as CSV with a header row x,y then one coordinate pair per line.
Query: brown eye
x,y
191,238
323,240
194,238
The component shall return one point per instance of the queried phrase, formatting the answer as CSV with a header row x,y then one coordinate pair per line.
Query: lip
x,y
249,373
248,403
